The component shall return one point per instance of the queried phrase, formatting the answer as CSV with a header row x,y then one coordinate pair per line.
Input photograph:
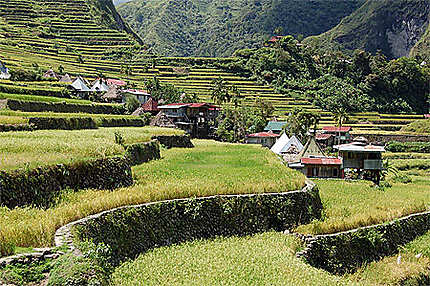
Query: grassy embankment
x,y
44,147
209,169
269,258
263,259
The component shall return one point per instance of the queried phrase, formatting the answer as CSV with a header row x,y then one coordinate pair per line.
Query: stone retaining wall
x,y
382,139
132,230
175,141
346,251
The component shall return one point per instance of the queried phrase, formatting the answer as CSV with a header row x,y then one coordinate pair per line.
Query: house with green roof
x,y
275,126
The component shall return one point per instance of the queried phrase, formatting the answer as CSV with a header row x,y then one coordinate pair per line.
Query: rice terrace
x,y
157,142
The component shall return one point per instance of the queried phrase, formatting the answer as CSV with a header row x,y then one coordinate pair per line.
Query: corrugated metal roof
x,y
275,125
321,161
116,82
359,147
337,129
323,136
263,134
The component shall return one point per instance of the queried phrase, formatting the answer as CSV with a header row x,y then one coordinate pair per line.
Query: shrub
x,y
181,141
139,153
57,92
418,147
41,186
16,127
70,270
71,123
25,273
122,122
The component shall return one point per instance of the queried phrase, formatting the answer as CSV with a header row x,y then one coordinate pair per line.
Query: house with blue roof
x,y
275,126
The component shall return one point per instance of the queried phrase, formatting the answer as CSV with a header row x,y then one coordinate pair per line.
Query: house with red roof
x,y
341,135
313,163
195,118
273,40
116,82
265,139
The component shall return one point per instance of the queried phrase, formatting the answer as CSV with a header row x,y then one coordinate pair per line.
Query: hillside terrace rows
x,y
85,37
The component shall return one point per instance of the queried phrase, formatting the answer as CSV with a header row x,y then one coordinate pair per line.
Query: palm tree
x,y
220,93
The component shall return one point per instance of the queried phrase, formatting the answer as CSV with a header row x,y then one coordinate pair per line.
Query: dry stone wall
x,y
130,231
345,251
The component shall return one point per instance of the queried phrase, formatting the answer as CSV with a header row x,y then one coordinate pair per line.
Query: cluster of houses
x,y
353,153
109,90
195,118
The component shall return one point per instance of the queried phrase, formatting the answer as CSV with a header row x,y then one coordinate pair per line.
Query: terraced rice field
x,y
68,33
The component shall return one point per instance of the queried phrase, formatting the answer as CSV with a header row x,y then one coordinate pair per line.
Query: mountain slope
x,y
68,29
422,48
219,27
394,27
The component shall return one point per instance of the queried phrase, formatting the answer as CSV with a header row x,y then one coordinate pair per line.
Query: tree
x,y
236,123
220,91
265,108
278,31
300,121
61,69
131,103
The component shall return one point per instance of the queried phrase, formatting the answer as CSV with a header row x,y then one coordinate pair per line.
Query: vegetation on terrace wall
x,y
419,126
372,82
41,186
134,230
63,107
418,147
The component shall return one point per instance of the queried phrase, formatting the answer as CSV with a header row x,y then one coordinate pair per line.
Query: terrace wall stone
x,y
132,230
346,251
175,141
41,186
382,139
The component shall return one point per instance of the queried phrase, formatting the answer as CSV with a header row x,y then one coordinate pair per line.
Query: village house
x,y
80,88
4,71
142,95
113,95
265,139
324,139
66,79
151,106
287,146
116,82
361,156
313,163
99,86
50,74
275,126
273,40
194,118
339,133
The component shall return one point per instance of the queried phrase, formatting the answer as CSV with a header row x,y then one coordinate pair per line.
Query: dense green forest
x,y
219,27
339,82
394,27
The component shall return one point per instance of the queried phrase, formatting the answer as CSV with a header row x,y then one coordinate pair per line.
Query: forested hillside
x,y
394,27
219,27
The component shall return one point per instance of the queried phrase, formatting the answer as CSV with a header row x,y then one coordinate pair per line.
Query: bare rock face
x,y
407,30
